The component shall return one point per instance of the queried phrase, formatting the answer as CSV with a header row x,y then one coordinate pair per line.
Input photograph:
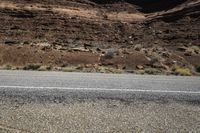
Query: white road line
x,y
99,89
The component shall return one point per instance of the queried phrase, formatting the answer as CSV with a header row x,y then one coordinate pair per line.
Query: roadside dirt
x,y
132,36
95,116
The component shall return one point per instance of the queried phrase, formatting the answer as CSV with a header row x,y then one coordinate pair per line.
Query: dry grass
x,y
8,67
182,71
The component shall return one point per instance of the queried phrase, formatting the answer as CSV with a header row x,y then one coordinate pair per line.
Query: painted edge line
x,y
99,89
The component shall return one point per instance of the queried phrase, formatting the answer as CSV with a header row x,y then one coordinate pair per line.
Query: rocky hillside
x,y
140,36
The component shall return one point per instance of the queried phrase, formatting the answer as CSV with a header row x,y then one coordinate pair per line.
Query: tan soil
x,y
22,56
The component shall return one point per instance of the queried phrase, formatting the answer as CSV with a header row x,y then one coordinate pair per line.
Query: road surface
x,y
60,86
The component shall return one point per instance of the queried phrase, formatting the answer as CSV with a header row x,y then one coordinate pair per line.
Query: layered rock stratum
x,y
160,36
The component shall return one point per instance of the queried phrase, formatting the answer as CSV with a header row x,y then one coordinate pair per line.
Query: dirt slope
x,y
163,34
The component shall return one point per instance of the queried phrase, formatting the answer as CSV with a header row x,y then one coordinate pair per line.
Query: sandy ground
x,y
99,116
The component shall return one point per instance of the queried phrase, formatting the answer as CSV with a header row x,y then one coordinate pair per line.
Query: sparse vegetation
x,y
8,67
198,69
32,67
182,71
92,69
107,39
108,70
49,67
196,49
69,69
152,71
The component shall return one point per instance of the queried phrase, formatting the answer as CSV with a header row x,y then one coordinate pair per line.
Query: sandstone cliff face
x,y
156,26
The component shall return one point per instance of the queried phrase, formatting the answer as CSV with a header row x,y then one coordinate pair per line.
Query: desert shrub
x,y
198,69
32,67
195,48
152,71
8,67
182,71
49,67
69,69
113,70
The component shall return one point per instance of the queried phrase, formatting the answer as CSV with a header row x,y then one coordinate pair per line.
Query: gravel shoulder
x,y
99,116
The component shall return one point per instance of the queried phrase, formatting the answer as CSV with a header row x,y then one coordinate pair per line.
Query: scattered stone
x,y
156,65
87,45
130,71
103,52
110,53
98,50
44,44
44,48
96,66
126,52
11,42
80,49
119,66
65,64
182,49
140,67
149,59
88,66
196,51
138,47
26,42
19,47
164,67
188,54
152,71
174,62
156,42
15,28
63,48
166,54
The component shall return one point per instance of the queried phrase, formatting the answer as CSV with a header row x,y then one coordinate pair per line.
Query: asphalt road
x,y
59,86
